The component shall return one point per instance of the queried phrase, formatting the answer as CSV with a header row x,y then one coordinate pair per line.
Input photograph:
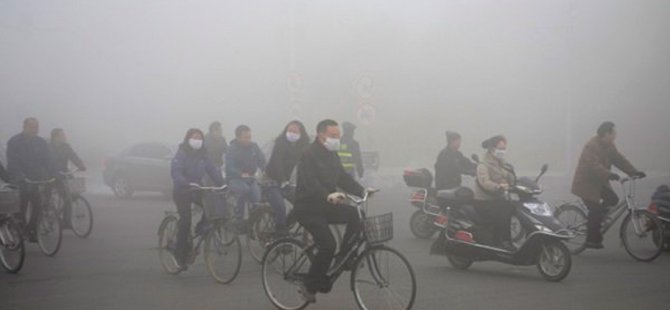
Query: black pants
x,y
597,211
30,194
317,225
499,213
184,199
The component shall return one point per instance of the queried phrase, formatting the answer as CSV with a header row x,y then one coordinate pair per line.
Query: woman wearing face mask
x,y
286,152
188,168
494,177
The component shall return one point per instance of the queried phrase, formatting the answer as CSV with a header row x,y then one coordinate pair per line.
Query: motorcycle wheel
x,y
459,262
421,225
554,261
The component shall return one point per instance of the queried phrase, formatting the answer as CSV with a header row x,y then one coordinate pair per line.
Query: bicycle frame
x,y
360,249
628,187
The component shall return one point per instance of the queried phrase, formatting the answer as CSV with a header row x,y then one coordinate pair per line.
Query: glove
x,y
335,198
639,175
614,177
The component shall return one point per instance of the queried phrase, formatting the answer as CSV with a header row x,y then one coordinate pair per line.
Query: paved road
x,y
117,268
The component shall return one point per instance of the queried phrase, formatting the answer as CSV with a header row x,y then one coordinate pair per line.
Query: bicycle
x,y
222,248
81,215
287,261
637,225
49,230
262,228
12,249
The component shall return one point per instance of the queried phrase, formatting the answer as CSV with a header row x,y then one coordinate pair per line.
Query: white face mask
x,y
499,154
292,137
196,144
332,144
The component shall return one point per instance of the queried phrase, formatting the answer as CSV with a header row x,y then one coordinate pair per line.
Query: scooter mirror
x,y
475,158
545,167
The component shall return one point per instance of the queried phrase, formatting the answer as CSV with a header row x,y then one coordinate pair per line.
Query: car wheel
x,y
121,187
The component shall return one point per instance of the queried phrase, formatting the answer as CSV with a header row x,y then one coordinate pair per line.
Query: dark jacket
x,y
190,166
29,157
243,159
593,170
354,148
216,147
62,154
320,173
449,167
285,156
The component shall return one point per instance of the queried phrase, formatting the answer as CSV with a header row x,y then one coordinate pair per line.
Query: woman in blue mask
x,y
288,148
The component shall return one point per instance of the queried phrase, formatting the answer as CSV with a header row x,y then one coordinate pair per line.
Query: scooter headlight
x,y
538,208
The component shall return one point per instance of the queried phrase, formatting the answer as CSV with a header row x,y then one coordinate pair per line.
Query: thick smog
x,y
334,154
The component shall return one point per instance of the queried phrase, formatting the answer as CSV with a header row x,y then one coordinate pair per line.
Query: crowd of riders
x,y
33,158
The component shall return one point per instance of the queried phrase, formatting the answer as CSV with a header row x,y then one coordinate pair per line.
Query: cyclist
x,y
318,204
28,157
591,181
63,154
189,166
243,159
451,164
286,152
350,152
216,143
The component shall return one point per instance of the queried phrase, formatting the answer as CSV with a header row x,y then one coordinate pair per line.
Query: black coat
x,y
320,173
62,154
450,165
285,156
355,149
29,157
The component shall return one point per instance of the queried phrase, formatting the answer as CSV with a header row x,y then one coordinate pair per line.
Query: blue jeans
x,y
276,199
247,191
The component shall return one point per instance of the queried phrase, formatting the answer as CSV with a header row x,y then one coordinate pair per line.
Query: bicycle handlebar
x,y
51,180
631,178
361,200
70,172
198,187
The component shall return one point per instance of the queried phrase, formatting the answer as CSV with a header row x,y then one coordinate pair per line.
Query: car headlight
x,y
538,208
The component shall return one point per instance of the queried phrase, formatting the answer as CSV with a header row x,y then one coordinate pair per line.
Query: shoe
x,y
306,294
594,245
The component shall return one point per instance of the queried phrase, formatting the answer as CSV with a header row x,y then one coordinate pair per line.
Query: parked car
x,y
141,167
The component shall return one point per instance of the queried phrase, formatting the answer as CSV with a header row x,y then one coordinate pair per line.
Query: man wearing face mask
x,y
494,177
319,203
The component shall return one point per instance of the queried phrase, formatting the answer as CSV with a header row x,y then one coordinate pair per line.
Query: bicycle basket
x,y
379,229
214,204
77,185
9,201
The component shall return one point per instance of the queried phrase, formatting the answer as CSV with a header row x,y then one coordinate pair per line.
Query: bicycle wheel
x,y
262,228
421,225
554,261
223,254
12,249
383,279
49,231
574,219
642,235
81,217
167,244
284,267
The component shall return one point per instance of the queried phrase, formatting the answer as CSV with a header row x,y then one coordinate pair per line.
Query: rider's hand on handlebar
x,y
503,187
614,177
371,190
336,198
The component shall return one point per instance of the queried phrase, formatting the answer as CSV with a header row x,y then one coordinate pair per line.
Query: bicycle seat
x,y
456,195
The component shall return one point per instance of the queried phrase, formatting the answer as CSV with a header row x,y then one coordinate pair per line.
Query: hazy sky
x,y
544,73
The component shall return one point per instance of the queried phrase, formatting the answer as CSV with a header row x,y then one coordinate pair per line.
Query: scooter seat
x,y
456,195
